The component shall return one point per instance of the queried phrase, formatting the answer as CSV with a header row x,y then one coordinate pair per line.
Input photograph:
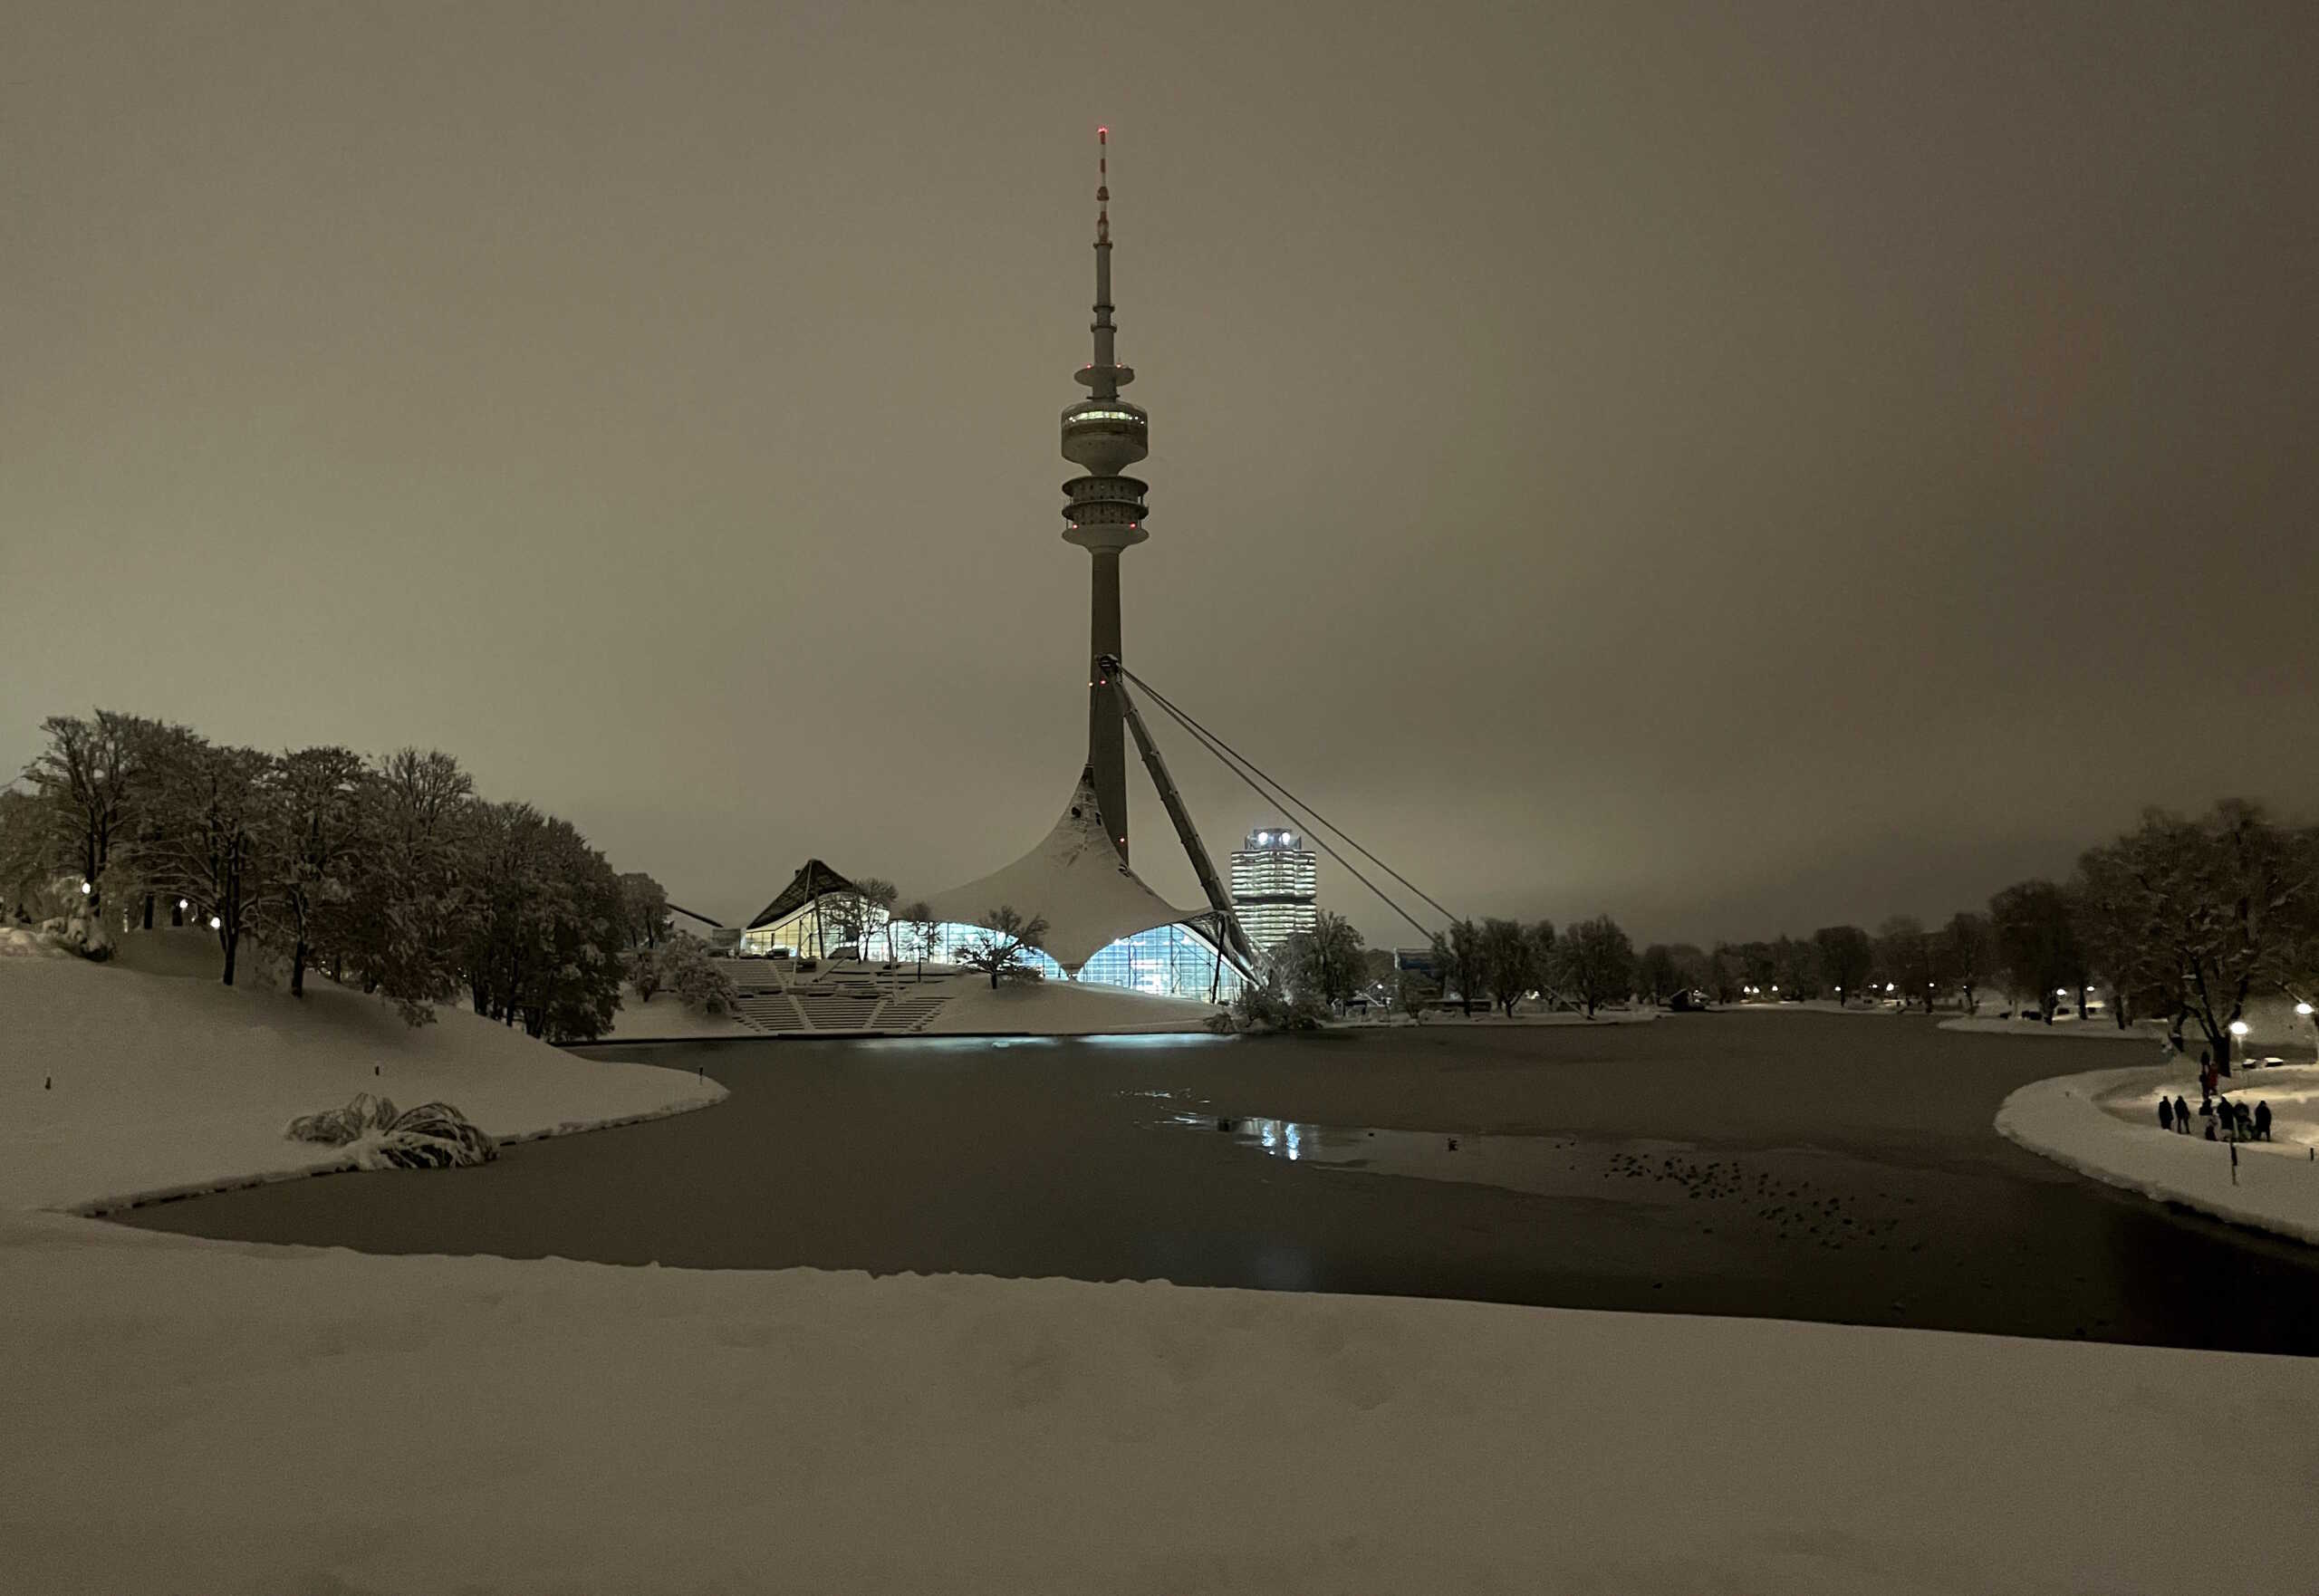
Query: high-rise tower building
x,y
1102,435
1275,881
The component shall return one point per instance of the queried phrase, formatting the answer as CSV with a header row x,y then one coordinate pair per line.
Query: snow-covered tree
x,y
401,929
644,905
27,857
90,779
209,810
1003,950
313,838
688,971
544,926
642,970
1597,962
2218,899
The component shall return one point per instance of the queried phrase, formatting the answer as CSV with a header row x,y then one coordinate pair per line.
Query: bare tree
x,y
1969,954
1458,957
1846,957
1003,950
924,925
1597,962
877,910
1508,966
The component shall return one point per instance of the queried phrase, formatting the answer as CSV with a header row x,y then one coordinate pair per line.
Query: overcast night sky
x,y
1739,468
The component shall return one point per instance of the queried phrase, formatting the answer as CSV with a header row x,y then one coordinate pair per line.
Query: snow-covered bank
x,y
211,1417
2145,1032
144,1076
2104,1124
1608,1016
1817,1006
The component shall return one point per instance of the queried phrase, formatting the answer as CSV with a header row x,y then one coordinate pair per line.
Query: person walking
x,y
2263,1121
2166,1113
2181,1115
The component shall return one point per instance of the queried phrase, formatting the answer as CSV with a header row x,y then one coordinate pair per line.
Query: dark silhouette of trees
x,y
1597,963
1846,958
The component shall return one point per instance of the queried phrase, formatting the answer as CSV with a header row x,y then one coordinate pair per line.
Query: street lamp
x,y
216,924
84,889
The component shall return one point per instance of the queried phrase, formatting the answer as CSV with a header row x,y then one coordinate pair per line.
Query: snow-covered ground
x,y
2101,1028
186,1414
2104,1123
146,1075
2272,1029
1481,1016
1817,1006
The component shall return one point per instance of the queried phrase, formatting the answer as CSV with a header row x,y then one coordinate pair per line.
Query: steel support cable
x,y
1232,763
1201,732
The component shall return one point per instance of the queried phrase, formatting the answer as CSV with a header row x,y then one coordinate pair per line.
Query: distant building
x,y
1275,881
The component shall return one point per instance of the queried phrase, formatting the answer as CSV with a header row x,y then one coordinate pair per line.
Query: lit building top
x,y
1275,882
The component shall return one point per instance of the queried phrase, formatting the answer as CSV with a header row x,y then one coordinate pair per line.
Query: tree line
x,y
390,873
2183,919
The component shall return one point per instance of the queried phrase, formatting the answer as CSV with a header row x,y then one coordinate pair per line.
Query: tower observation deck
x,y
1103,511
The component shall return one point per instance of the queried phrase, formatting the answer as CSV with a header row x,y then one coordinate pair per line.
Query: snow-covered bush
x,y
685,969
336,1127
432,1136
1262,1006
643,971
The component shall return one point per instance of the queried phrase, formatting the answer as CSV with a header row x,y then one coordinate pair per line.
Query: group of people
x,y
2225,1121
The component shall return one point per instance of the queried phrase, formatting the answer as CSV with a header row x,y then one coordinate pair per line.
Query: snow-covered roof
x,y
813,879
1074,879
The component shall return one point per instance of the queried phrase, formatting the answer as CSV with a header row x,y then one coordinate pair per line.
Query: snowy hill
x,y
146,1074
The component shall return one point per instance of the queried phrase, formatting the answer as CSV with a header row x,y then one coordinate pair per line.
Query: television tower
x,y
1101,435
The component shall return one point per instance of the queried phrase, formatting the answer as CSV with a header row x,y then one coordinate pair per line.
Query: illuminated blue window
x,y
1172,961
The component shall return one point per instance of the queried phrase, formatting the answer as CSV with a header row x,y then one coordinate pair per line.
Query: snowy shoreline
x,y
2103,1124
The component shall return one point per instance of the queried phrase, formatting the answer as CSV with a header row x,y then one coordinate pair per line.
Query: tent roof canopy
x,y
815,879
1076,880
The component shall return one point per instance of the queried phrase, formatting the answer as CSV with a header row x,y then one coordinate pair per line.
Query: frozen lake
x,y
1804,1165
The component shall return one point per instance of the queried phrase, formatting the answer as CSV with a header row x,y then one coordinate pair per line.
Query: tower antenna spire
x,y
1106,359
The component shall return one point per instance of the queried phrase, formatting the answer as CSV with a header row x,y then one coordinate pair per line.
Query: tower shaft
x,y
1106,732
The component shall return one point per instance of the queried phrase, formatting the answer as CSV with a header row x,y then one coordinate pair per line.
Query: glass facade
x,y
1172,961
